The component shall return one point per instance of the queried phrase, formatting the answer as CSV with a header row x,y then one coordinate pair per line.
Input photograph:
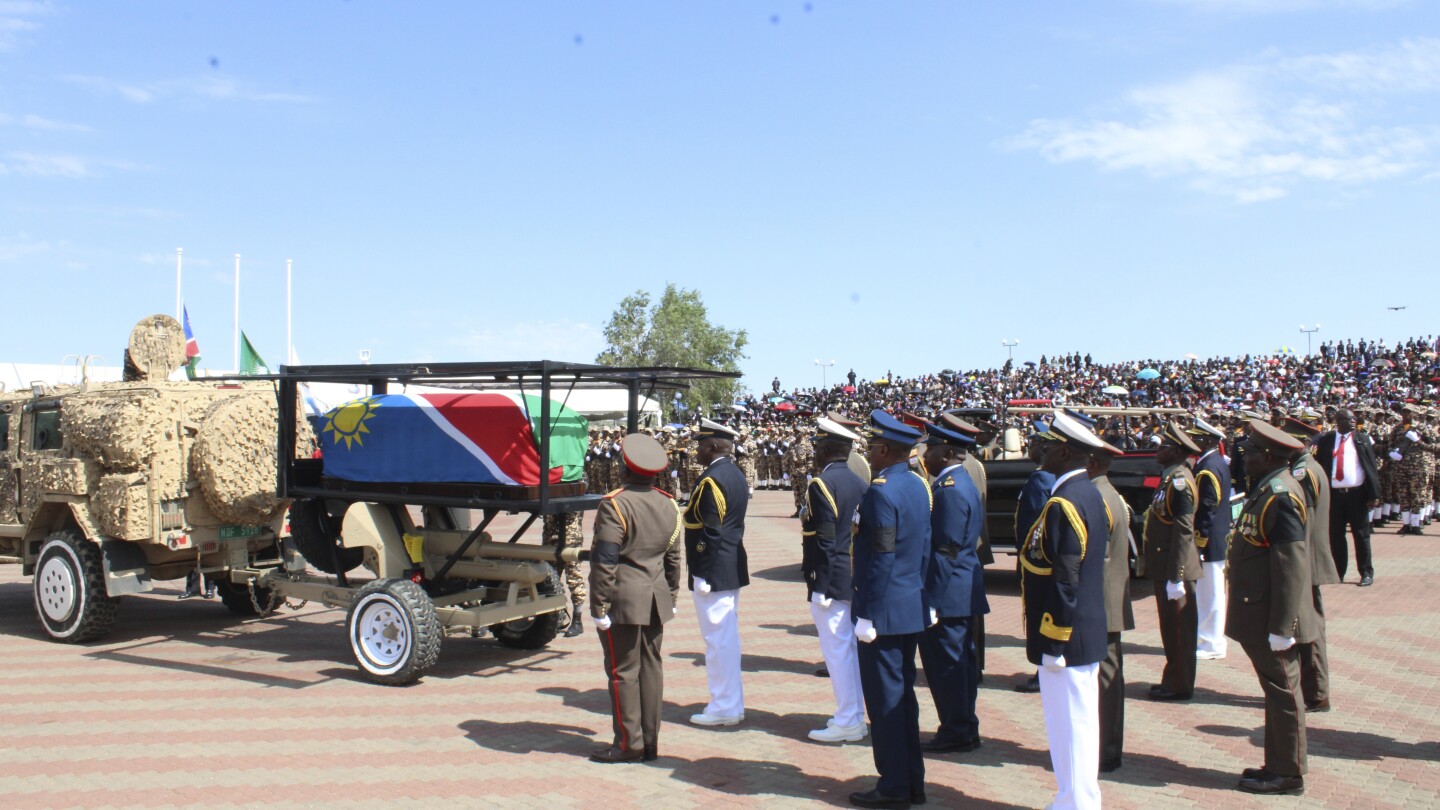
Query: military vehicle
x,y
111,487
107,488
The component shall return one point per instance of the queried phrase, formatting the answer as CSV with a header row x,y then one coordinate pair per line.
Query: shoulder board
x,y
612,493
948,482
877,480
663,492
1278,486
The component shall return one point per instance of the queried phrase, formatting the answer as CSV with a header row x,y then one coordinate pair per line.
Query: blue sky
x,y
888,185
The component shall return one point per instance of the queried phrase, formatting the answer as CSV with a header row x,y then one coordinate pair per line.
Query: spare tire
x,y
315,528
234,459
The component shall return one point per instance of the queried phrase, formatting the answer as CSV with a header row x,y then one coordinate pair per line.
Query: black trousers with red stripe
x,y
636,682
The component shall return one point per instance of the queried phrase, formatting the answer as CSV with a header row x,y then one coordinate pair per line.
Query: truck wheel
x,y
394,632
236,597
70,596
316,531
536,631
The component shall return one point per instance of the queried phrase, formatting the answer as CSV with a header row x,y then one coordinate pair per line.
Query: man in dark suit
x,y
955,591
891,553
1062,582
832,499
634,581
715,555
1347,456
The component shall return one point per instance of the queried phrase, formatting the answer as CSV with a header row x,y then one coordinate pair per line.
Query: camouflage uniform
x,y
745,456
568,525
1409,471
802,463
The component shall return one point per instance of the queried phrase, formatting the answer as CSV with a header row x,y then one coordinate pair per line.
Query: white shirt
x,y
1066,477
1354,474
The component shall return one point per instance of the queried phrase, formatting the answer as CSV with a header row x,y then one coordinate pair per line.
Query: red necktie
x,y
1340,458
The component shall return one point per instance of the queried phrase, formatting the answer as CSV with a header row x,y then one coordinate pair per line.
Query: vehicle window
x,y
4,432
46,434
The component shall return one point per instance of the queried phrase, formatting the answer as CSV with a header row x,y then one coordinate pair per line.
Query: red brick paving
x,y
183,705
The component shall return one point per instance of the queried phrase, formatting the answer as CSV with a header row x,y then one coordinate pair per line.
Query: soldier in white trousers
x,y
1212,532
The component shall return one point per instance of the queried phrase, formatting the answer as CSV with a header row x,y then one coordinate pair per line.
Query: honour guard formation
x,y
888,516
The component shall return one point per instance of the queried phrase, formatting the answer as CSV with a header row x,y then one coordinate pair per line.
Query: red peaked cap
x,y
643,455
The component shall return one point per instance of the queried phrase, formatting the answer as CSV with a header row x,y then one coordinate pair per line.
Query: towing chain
x,y
272,603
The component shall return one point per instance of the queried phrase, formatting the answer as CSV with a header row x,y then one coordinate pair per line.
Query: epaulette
x,y
612,493
663,492
1277,486
877,481
948,482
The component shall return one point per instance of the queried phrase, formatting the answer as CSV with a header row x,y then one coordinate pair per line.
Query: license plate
x,y
236,532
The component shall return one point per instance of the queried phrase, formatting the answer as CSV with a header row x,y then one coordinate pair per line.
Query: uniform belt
x,y
1345,489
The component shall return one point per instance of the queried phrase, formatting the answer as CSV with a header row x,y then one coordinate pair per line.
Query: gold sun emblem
x,y
347,422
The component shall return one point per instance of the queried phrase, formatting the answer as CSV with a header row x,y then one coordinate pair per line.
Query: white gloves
x,y
1054,663
674,473
701,585
1175,590
865,631
1412,435
1395,456
934,617
1280,643
820,599
602,623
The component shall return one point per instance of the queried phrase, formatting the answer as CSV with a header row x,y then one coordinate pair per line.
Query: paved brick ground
x,y
183,705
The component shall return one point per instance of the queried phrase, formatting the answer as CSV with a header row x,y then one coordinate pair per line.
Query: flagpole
x,y
289,347
237,313
179,299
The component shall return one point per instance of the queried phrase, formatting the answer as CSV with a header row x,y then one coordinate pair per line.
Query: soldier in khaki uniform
x,y
565,528
1119,616
634,582
1172,563
1315,483
1271,605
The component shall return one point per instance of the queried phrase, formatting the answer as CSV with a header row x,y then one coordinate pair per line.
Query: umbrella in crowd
x,y
1381,362
785,406
778,399
1147,374
1118,390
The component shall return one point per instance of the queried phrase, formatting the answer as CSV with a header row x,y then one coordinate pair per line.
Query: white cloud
x,y
1257,131
18,17
50,125
15,250
207,87
31,164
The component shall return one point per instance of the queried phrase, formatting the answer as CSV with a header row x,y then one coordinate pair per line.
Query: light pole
x,y
1308,332
823,366
1010,348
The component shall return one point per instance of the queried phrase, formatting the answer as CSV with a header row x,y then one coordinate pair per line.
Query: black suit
x,y
1350,506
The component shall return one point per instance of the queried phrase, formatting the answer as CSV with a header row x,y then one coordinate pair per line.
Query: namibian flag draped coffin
x,y
480,438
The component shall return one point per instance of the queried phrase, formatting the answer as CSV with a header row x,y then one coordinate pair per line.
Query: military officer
x,y
1062,587
1212,536
715,555
955,591
1119,616
1172,563
1027,510
565,528
1271,606
831,505
634,582
976,470
890,556
1315,483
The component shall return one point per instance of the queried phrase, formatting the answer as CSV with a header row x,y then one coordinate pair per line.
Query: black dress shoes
x,y
611,755
1158,692
1110,765
1366,581
1030,685
822,672
874,798
935,745
652,753
1274,784
1318,706
1254,773
917,797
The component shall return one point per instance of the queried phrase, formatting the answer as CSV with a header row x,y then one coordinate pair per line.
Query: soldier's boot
x,y
576,627
192,585
209,588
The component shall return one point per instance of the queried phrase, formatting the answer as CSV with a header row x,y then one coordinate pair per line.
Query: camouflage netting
x,y
127,506
234,458
126,432
156,348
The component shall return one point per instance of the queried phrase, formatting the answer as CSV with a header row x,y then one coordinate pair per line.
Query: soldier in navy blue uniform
x,y
715,557
832,501
1027,509
1062,588
1212,536
955,591
891,553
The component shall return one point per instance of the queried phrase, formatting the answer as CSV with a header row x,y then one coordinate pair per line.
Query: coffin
x,y
469,438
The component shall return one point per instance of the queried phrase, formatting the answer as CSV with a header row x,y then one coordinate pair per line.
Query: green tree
x,y
675,331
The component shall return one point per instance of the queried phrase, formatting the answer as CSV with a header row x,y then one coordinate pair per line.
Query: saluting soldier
x,y
1172,563
715,555
1062,587
1119,616
1212,537
1271,605
890,556
831,506
1315,483
634,582
955,591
